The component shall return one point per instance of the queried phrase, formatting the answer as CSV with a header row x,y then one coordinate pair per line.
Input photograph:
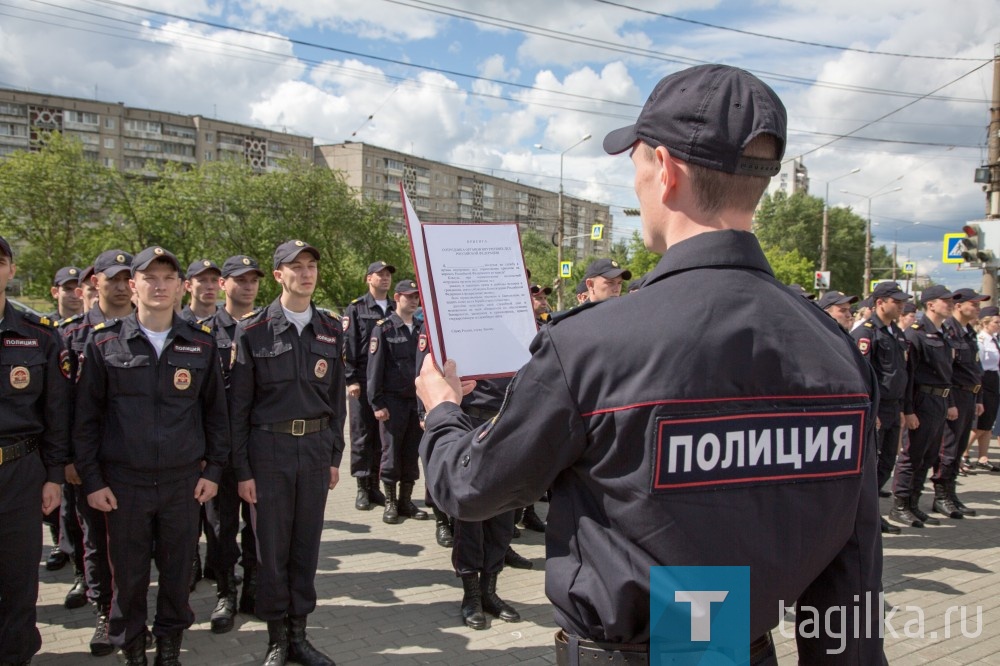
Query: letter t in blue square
x,y
699,616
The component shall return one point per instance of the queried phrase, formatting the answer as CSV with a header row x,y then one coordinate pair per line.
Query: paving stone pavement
x,y
387,595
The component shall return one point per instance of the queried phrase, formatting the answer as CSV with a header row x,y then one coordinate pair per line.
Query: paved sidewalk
x,y
388,596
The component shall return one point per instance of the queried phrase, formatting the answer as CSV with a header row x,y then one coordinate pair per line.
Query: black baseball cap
x,y
989,311
800,290
240,265
86,274
288,250
142,260
608,268
377,266
405,287
835,298
5,248
706,115
113,262
935,292
535,288
909,308
889,290
66,274
966,295
200,266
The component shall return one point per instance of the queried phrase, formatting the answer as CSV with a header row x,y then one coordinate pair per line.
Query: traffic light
x,y
821,280
973,246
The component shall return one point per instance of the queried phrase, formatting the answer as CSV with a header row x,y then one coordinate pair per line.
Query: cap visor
x,y
619,140
243,270
112,271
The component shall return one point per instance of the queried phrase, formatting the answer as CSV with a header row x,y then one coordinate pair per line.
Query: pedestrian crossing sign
x,y
952,248
566,269
910,267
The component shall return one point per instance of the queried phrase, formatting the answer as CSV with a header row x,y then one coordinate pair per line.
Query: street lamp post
x,y
868,235
825,246
560,225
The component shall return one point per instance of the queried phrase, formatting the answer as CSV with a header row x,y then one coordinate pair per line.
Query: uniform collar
x,y
179,328
276,313
390,304
13,320
711,249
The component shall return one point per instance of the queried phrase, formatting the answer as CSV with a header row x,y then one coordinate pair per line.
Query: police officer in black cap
x,y
359,321
703,148
240,281
110,275
926,408
392,365
287,409
883,343
152,438
604,279
966,396
64,291
34,417
837,304
202,282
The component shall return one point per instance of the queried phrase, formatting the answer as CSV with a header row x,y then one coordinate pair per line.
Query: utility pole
x,y
993,188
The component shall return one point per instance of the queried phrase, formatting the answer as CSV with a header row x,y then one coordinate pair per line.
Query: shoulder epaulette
x,y
69,320
868,324
380,322
248,315
357,300
200,327
559,316
38,319
916,326
107,324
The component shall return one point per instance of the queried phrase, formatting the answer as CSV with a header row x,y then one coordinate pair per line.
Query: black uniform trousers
x,y
480,546
292,475
366,447
887,440
20,552
96,566
222,515
400,441
70,530
161,519
921,452
956,437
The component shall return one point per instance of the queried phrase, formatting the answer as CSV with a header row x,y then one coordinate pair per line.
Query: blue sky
x,y
550,72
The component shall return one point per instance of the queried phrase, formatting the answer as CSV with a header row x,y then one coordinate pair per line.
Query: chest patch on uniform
x,y
864,344
345,322
65,365
182,379
20,342
373,346
747,449
20,377
321,368
328,339
188,349
422,343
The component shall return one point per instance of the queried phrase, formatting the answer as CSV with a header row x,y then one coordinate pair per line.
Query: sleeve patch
x,y
65,366
864,344
373,345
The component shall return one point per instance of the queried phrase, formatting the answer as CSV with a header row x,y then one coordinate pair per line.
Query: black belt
x,y
618,654
934,390
17,450
481,414
971,389
296,427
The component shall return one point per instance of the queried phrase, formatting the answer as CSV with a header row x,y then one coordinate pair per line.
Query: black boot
x,y
225,609
168,650
443,532
277,643
472,602
56,559
953,494
531,521
512,559
915,508
300,650
901,513
77,595
887,527
100,644
135,652
943,503
248,599
375,495
361,501
493,604
391,513
195,569
406,507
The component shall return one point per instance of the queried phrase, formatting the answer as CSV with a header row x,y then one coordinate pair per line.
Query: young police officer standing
x,y
288,364
34,417
150,414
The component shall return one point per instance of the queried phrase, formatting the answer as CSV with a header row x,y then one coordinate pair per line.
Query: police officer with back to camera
x,y
240,281
152,437
967,397
288,364
111,272
926,408
392,367
703,148
358,322
883,343
34,450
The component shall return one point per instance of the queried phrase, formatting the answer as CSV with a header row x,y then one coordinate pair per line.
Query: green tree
x,y
790,267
